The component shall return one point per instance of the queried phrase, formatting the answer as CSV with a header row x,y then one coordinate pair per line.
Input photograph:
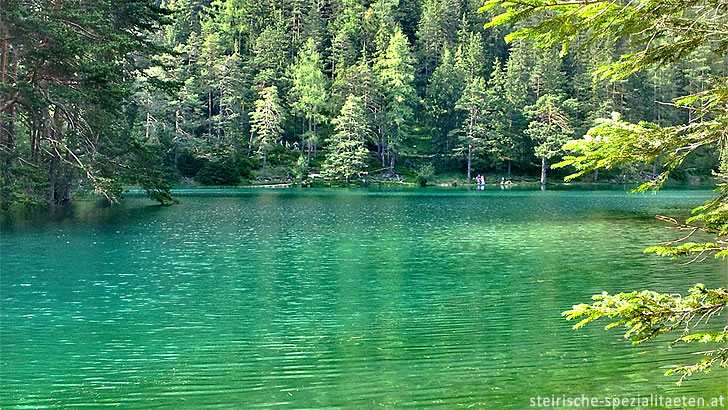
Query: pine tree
x,y
265,121
504,143
443,91
347,151
67,71
271,51
347,37
309,94
234,99
473,135
472,57
549,128
437,30
396,71
380,25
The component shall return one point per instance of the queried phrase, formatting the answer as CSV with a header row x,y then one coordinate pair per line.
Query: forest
x,y
97,96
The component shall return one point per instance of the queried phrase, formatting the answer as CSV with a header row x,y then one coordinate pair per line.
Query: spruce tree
x,y
505,143
549,128
473,135
347,152
265,121
309,92
443,91
396,73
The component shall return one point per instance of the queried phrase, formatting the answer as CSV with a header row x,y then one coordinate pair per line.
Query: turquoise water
x,y
337,298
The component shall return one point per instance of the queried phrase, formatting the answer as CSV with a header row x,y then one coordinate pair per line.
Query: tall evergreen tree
x,y
396,71
443,91
347,151
271,51
473,135
437,30
66,75
549,128
309,92
504,142
265,121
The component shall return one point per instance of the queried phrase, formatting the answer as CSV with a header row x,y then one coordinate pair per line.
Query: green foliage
x,y
308,93
219,171
66,73
188,165
661,34
265,121
300,169
396,71
97,80
648,314
504,143
425,173
549,127
443,91
437,29
346,154
473,135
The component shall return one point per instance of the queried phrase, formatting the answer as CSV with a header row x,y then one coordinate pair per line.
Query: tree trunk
x,y
381,145
52,176
265,159
310,143
509,169
65,193
250,144
308,160
209,116
543,170
596,175
470,160
379,148
303,131
176,138
391,163
149,117
176,155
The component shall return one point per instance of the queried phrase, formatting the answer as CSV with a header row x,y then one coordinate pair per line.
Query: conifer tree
x,y
549,128
437,30
309,92
66,75
396,71
271,51
347,152
473,132
265,121
443,91
504,142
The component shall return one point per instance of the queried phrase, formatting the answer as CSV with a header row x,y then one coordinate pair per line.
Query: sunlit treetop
x,y
661,32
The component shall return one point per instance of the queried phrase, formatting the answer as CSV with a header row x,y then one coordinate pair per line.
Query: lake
x,y
338,298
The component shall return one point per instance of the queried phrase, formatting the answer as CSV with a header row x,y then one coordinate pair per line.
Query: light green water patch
x,y
336,298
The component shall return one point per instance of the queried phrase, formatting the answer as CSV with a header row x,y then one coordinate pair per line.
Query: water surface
x,y
337,298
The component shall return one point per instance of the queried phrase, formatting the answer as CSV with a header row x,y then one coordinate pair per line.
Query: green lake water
x,y
338,298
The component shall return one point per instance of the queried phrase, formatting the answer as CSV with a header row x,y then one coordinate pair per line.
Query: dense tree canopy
x,y
100,96
67,71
